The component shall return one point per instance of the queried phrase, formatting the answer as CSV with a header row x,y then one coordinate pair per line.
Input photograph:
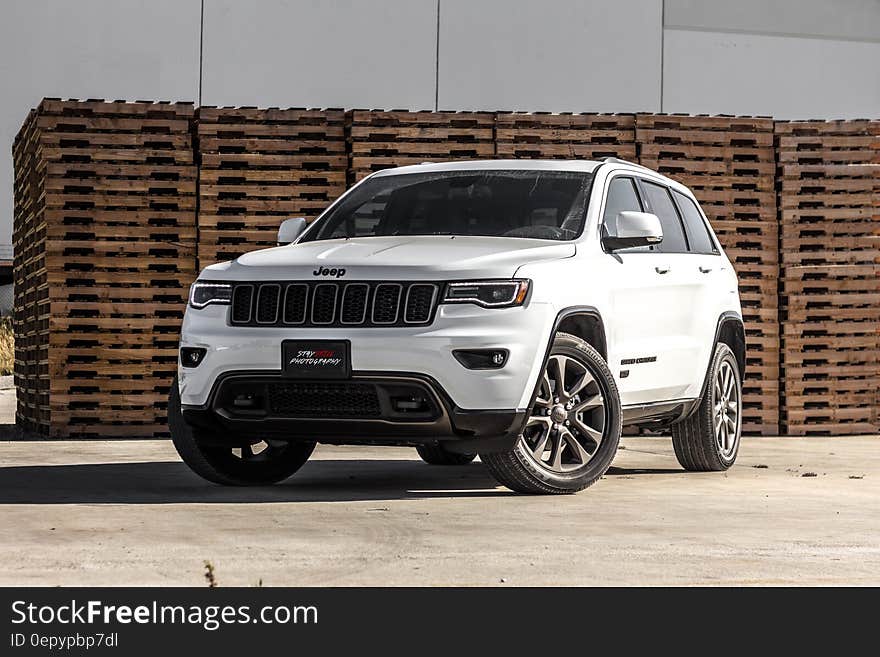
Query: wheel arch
x,y
579,321
731,331
584,322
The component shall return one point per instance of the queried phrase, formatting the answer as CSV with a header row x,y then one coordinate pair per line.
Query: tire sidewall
x,y
218,464
723,353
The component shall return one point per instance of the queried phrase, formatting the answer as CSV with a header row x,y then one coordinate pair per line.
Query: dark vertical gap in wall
x,y
782,415
197,163
194,136
662,48
201,47
437,62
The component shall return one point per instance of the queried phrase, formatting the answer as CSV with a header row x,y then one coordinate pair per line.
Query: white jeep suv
x,y
520,310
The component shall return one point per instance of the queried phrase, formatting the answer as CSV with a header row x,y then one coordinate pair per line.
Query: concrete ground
x,y
792,511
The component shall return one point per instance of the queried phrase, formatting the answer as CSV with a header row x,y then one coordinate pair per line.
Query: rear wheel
x,y
257,463
438,455
573,429
709,439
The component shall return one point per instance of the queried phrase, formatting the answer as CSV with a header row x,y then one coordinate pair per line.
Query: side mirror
x,y
633,229
290,229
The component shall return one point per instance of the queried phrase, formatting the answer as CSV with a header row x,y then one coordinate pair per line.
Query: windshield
x,y
535,204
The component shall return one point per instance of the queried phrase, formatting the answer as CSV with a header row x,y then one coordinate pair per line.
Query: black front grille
x,y
322,400
268,302
296,303
324,304
419,303
242,301
301,303
354,303
386,305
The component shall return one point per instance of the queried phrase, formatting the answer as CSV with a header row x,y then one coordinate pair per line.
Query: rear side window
x,y
697,231
662,205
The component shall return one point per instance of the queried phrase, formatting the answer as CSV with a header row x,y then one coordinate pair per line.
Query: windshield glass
x,y
535,204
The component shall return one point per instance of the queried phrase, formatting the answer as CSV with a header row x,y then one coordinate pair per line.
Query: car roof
x,y
586,166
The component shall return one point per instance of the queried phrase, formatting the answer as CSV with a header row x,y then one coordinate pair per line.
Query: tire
x,y
276,461
438,455
699,447
524,468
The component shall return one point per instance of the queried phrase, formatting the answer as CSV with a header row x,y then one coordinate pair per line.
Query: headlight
x,y
489,294
204,293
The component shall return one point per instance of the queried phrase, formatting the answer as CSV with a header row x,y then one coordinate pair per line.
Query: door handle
x,y
705,270
662,269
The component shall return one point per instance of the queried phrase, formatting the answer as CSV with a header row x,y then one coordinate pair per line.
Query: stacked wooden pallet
x,y
261,166
565,136
829,189
729,164
31,306
110,242
380,140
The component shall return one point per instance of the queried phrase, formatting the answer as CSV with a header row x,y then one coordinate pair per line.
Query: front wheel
x,y
573,429
258,463
709,439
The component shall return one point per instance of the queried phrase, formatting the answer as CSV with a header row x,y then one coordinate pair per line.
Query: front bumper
x,y
427,351
334,417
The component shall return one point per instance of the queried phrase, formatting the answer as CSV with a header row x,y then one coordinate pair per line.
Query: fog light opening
x,y
192,356
482,359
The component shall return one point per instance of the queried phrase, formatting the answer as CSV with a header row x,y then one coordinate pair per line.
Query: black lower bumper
x,y
386,409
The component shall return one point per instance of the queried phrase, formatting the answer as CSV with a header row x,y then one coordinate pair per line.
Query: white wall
x,y
320,53
786,58
564,55
784,77
792,59
835,19
112,49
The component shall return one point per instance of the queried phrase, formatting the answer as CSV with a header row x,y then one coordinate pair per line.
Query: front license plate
x,y
316,359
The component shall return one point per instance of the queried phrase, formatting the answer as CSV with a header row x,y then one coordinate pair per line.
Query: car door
x,y
705,264
644,305
684,290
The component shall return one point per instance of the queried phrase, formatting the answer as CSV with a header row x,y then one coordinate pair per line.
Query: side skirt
x,y
658,413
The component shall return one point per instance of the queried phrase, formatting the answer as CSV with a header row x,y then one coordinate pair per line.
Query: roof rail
x,y
617,160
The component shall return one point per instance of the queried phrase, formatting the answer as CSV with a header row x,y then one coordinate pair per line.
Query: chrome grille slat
x,y
242,301
334,303
268,303
296,299
354,303
420,298
386,303
324,298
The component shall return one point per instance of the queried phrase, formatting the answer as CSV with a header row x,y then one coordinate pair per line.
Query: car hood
x,y
430,257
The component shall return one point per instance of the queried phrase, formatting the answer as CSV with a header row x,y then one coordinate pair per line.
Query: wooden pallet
x,y
829,187
106,239
565,136
259,167
380,140
729,163
30,324
109,243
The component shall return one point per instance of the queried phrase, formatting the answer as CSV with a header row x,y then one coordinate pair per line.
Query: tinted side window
x,y
663,207
698,233
622,196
